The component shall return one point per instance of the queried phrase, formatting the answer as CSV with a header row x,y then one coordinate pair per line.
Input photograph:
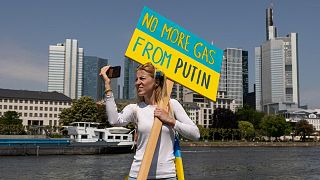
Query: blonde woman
x,y
150,90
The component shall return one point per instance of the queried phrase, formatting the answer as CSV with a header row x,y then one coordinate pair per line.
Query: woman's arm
x,y
183,124
119,119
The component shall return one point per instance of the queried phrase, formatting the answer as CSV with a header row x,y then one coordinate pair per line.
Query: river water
x,y
199,162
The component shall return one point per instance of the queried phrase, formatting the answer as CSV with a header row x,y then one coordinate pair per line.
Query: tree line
x,y
244,124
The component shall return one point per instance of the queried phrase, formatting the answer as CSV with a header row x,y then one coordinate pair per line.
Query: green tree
x,y
246,113
204,132
246,129
10,123
83,109
303,128
274,126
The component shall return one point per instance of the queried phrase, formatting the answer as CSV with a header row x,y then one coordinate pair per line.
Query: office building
x,y
276,69
234,75
65,68
35,108
129,90
93,84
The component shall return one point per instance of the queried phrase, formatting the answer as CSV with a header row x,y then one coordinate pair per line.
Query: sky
x,y
104,28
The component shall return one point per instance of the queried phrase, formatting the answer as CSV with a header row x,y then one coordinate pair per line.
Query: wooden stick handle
x,y
153,139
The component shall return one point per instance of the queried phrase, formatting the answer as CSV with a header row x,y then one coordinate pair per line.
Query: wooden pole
x,y
153,138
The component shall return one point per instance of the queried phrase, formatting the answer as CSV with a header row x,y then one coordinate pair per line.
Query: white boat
x,y
88,132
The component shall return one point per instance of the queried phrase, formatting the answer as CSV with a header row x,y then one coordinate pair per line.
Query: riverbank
x,y
249,144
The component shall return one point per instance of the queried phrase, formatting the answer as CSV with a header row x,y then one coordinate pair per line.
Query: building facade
x,y
35,108
276,69
234,75
65,68
129,90
93,84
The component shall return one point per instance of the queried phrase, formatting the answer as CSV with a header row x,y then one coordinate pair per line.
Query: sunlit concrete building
x,y
276,70
65,68
35,108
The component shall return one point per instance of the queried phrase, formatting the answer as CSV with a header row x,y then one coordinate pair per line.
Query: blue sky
x,y
104,28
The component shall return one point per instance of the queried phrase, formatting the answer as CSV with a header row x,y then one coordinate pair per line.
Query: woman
x,y
150,91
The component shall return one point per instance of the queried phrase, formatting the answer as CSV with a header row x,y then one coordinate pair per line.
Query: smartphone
x,y
114,72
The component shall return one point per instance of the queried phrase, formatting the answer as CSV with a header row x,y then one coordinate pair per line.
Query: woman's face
x,y
144,83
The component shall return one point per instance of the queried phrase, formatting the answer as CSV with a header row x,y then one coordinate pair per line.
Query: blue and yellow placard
x,y
182,56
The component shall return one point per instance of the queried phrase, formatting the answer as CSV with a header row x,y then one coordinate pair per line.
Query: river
x,y
199,163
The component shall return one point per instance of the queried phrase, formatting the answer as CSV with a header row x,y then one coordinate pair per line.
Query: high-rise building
x,y
65,68
129,90
234,75
276,69
93,84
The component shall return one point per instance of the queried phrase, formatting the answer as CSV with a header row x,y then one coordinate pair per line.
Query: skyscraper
x,y
276,68
234,75
65,68
93,84
129,90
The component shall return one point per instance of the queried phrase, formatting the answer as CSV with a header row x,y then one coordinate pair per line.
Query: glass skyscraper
x,y
93,84
65,68
234,75
276,69
129,90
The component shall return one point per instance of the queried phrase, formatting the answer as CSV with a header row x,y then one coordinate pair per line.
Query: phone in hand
x,y
114,71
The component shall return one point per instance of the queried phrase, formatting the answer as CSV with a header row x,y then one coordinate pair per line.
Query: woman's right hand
x,y
103,73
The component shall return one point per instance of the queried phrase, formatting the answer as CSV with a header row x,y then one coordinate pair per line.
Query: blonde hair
x,y
161,85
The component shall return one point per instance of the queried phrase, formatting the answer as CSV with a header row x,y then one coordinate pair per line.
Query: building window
x,y
55,109
60,109
65,103
0,113
36,108
41,102
50,109
15,107
50,115
50,122
55,103
51,102
118,137
4,106
15,101
20,114
84,136
31,108
5,100
45,115
25,107
36,102
20,107
0,100
21,101
45,108
35,114
40,114
25,114
55,122
55,115
60,103
30,114
10,100
45,102
10,107
41,108
0,106
31,101
110,137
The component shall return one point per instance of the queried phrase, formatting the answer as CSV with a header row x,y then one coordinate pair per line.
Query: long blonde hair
x,y
161,85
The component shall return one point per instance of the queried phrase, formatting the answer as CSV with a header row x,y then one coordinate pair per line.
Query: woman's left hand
x,y
163,115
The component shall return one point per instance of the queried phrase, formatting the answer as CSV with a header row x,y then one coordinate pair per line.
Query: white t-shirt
x,y
142,115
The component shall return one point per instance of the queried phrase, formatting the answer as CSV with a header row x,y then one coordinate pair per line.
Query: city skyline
x,y
104,29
